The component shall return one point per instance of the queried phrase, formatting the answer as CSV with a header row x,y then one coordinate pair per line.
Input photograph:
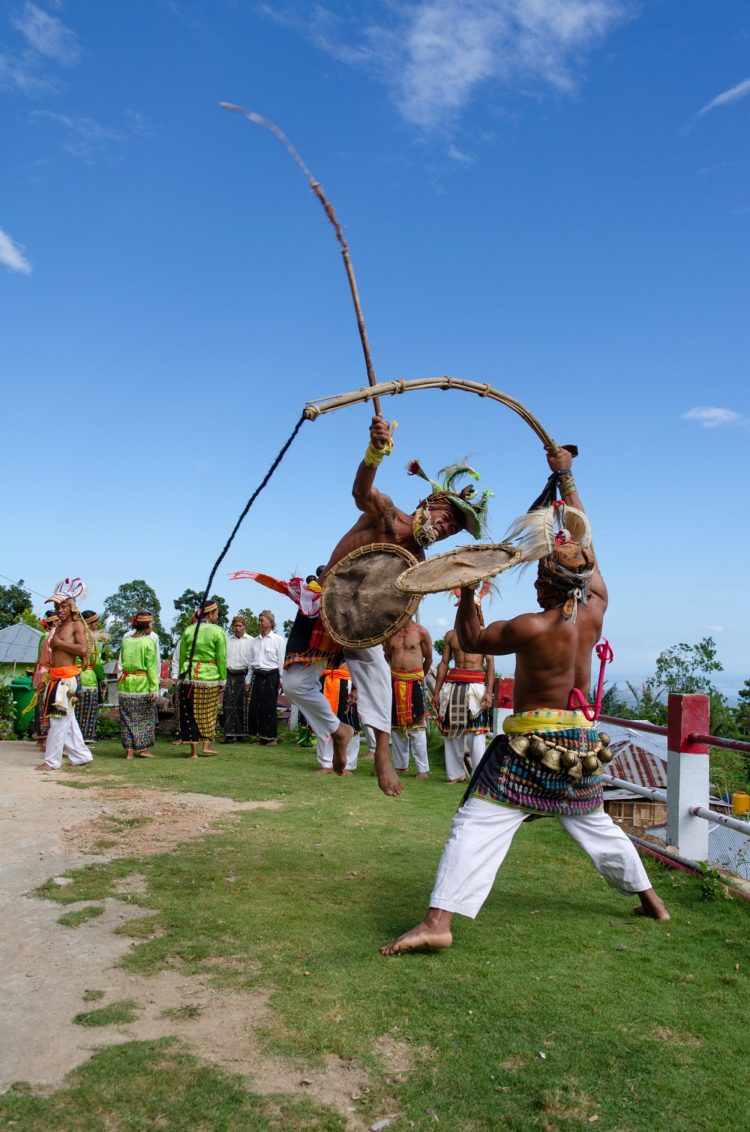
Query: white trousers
x,y
324,753
454,753
481,836
401,741
64,735
370,675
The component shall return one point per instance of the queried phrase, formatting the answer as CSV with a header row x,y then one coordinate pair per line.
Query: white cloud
x,y
47,35
710,417
714,628
85,137
12,255
434,55
734,94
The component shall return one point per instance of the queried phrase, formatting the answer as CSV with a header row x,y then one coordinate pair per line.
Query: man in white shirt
x,y
267,660
239,660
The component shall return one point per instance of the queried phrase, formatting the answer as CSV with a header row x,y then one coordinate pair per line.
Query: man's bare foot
x,y
347,773
368,755
341,739
193,751
44,766
422,936
453,781
324,770
423,775
402,771
209,751
145,754
128,754
177,742
651,906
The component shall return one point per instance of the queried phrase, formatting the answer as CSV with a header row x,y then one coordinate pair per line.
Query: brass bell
x,y
537,747
605,756
568,759
590,764
519,744
552,759
604,739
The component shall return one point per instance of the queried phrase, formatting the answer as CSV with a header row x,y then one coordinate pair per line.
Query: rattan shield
x,y
464,566
361,605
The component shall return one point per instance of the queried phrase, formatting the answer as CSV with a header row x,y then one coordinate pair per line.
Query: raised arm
x,y
561,463
366,495
500,638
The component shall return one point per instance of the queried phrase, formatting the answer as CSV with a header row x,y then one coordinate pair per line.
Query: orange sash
x,y
64,672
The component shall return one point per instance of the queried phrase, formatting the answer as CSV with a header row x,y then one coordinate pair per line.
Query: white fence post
x,y
687,775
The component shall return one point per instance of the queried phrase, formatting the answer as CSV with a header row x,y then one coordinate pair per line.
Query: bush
x,y
107,727
7,713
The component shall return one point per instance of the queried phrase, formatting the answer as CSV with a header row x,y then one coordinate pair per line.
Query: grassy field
x,y
555,1009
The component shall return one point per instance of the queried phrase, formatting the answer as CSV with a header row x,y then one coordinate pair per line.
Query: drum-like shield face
x,y
361,605
464,566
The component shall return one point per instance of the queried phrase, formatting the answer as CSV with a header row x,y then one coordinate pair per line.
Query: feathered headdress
x,y
69,589
559,538
539,532
474,513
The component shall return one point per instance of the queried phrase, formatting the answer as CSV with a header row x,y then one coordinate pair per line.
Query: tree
x,y
14,601
28,617
186,605
287,628
742,714
120,608
439,645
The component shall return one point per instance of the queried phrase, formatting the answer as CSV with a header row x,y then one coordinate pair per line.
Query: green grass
x,y
640,1024
75,919
116,1014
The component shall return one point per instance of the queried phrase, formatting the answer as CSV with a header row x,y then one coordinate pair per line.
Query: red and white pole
x,y
687,775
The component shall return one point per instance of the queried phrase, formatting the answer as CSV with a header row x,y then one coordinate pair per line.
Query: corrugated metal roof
x,y
19,644
634,764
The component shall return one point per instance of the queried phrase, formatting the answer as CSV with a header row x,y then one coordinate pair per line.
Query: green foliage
x,y
121,606
28,617
7,712
730,770
15,600
287,626
186,605
106,726
439,645
710,887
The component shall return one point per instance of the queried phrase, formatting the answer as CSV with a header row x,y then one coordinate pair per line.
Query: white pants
x,y
454,753
324,753
65,735
481,835
370,675
400,743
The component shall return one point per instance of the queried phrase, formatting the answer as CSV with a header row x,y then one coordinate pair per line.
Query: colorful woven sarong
x,y
309,641
408,706
511,779
463,712
87,710
137,720
199,708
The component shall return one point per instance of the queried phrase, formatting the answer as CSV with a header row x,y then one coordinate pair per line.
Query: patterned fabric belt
x,y
64,672
417,674
544,719
133,672
465,676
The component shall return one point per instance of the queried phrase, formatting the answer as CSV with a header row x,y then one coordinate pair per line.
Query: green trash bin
x,y
22,690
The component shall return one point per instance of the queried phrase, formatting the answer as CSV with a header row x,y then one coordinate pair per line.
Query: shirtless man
x,y
464,710
68,642
310,649
409,654
548,760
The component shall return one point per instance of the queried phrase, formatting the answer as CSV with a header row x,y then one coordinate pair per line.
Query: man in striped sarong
x,y
463,694
409,653
548,760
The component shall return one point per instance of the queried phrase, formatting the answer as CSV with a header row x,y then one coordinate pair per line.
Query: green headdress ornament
x,y
473,509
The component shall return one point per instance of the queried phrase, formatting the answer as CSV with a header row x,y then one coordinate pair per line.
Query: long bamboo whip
x,y
328,209
315,409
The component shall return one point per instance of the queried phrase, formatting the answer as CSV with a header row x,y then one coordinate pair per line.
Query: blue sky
x,y
548,195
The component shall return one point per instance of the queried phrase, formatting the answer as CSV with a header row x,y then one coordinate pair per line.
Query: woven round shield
x,y
464,566
361,605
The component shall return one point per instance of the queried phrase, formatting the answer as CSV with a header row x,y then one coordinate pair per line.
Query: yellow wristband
x,y
373,457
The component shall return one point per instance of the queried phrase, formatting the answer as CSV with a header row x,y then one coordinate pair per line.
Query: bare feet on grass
x,y
341,739
432,934
44,766
651,906
323,770
422,776
388,780
145,754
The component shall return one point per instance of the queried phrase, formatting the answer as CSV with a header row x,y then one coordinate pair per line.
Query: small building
x,y
19,649
643,766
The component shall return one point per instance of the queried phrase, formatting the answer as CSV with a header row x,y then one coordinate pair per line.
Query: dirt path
x,y
47,828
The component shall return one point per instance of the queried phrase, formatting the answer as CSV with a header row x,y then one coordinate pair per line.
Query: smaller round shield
x,y
464,566
360,604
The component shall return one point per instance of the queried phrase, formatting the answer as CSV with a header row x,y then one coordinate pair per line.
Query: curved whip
x,y
315,409
259,120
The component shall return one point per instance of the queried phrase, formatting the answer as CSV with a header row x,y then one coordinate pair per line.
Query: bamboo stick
x,y
315,409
